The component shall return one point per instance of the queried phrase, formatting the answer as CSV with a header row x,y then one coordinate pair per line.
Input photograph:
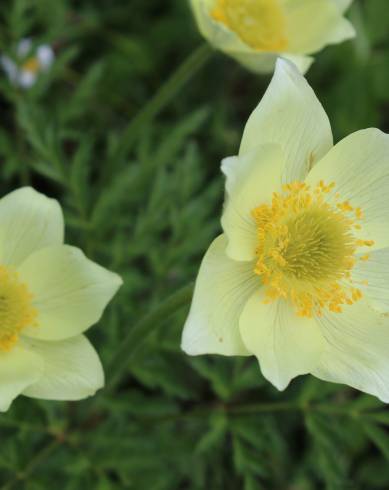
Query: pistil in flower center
x,y
307,248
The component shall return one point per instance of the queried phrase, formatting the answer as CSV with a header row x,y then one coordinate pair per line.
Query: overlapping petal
x,y
357,349
29,221
216,33
284,344
227,41
19,369
372,277
290,115
69,291
72,369
313,25
251,180
222,289
302,62
359,166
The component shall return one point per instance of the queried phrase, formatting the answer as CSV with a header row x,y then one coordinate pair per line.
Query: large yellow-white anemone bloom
x,y
256,32
300,277
50,293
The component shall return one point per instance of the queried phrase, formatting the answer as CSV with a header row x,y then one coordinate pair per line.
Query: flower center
x,y
31,65
16,310
307,248
259,23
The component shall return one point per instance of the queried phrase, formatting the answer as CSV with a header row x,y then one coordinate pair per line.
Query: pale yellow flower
x,y
256,32
50,293
300,277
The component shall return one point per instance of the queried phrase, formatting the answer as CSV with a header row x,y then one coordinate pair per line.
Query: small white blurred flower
x,y
24,70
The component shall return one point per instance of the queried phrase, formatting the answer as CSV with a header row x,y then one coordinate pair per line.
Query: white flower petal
x,y
24,47
70,292
10,68
285,344
313,25
375,271
222,288
357,352
359,166
251,180
19,368
290,115
45,55
72,369
26,79
29,221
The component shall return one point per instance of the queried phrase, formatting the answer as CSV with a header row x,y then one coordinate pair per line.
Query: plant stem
x,y
40,457
263,408
19,424
166,93
143,329
172,304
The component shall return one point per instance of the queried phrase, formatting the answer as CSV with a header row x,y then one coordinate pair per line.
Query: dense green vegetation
x,y
141,188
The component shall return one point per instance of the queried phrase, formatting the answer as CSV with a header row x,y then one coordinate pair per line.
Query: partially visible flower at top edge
x,y
24,69
256,32
50,294
300,277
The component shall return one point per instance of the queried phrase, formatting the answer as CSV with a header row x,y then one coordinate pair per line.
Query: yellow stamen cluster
x,y
31,65
307,248
16,310
259,23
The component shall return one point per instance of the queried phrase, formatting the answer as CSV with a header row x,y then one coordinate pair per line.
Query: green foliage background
x,y
142,195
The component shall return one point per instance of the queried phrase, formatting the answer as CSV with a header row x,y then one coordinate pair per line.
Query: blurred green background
x,y
140,184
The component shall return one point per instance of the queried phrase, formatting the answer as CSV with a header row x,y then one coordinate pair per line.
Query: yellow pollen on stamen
x,y
31,65
307,249
259,23
16,310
